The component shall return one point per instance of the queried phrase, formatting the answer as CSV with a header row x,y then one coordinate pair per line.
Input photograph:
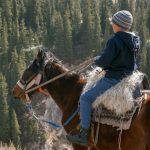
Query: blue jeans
x,y
87,98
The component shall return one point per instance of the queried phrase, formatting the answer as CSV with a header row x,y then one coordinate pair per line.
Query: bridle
x,y
36,78
34,82
45,57
27,85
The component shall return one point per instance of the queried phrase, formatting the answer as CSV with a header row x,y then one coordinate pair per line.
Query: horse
x,y
66,92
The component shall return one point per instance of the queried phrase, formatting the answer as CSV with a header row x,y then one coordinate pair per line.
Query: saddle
x,y
117,106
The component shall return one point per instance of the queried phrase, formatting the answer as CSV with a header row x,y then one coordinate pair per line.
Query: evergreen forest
x,y
73,30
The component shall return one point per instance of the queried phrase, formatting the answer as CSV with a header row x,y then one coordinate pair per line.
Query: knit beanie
x,y
123,19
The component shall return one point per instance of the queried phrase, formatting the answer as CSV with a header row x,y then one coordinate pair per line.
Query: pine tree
x,y
6,10
138,3
96,27
14,128
30,15
13,71
50,17
140,17
22,63
23,39
148,18
123,4
108,32
141,28
103,15
16,34
39,20
4,46
106,12
32,38
21,10
76,21
147,57
14,9
0,32
132,4
4,38
4,111
29,55
59,40
87,28
67,35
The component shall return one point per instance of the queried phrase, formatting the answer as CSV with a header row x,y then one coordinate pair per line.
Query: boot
x,y
81,137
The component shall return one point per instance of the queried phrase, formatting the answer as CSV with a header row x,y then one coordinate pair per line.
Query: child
x,y
118,60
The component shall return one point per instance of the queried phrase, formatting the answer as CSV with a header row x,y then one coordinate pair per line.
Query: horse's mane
x,y
55,67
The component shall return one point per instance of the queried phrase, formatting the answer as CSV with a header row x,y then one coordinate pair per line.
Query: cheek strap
x,y
21,85
35,81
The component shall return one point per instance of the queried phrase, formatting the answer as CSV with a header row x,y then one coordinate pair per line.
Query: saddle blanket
x,y
123,121
117,105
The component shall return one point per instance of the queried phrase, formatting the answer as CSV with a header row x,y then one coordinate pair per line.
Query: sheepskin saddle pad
x,y
117,106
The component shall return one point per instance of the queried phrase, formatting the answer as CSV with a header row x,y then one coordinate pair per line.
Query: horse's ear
x,y
40,54
40,57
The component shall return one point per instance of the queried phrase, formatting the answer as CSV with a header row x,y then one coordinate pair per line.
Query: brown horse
x,y
66,92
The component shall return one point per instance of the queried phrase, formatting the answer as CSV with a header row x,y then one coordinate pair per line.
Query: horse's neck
x,y
66,92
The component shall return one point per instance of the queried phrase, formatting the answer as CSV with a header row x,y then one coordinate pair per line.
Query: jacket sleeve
x,y
108,55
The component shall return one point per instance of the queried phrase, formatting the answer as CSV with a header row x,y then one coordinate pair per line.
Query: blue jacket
x,y
119,56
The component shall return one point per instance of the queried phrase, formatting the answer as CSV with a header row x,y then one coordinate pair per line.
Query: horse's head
x,y
34,73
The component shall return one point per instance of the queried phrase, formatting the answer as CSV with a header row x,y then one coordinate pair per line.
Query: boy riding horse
x,y
118,60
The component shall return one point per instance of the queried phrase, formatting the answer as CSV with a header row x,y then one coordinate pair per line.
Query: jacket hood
x,y
131,40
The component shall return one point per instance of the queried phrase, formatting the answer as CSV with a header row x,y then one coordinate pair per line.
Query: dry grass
x,y
6,147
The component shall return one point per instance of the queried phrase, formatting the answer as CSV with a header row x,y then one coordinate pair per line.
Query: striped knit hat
x,y
123,19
